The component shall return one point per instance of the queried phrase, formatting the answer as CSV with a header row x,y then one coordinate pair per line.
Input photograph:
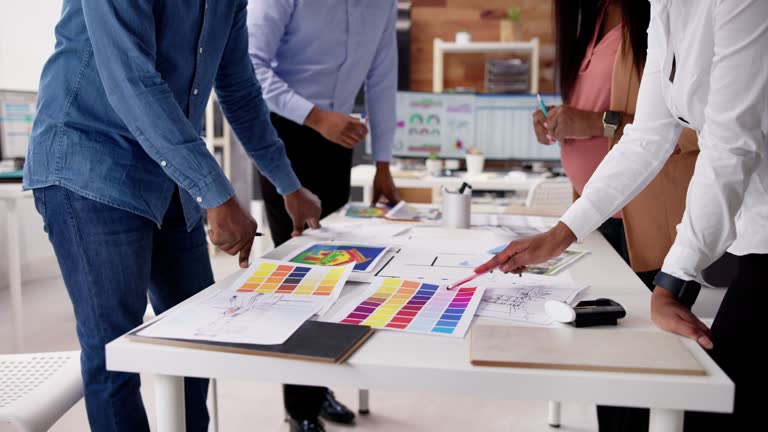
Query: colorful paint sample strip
x,y
418,307
272,278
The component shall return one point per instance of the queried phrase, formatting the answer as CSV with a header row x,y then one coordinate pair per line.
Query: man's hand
x,y
567,122
304,208
384,186
541,127
671,315
340,128
232,229
531,250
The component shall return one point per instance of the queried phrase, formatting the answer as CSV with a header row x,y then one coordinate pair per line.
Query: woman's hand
x,y
541,128
531,250
671,315
567,122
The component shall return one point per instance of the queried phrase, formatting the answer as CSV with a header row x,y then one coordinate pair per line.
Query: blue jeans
x,y
110,259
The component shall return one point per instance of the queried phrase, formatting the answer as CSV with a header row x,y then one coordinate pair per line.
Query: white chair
x,y
36,390
554,193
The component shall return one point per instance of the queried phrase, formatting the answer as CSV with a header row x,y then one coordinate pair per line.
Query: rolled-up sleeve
x,y
381,91
267,20
122,35
241,100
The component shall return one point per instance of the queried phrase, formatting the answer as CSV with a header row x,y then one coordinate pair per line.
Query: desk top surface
x,y
404,361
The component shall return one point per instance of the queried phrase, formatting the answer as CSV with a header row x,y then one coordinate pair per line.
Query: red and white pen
x,y
469,278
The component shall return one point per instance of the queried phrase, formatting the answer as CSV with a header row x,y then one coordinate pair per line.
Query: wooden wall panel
x,y
431,20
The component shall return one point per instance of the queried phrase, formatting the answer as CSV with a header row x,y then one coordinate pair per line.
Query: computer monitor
x,y
448,125
17,113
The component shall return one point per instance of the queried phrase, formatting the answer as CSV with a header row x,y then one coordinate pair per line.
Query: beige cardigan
x,y
651,218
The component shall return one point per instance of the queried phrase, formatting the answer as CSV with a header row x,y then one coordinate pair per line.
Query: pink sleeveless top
x,y
591,92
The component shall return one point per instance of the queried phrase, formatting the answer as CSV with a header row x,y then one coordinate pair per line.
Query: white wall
x,y
26,40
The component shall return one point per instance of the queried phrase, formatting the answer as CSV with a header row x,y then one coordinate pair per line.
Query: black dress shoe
x,y
335,411
306,425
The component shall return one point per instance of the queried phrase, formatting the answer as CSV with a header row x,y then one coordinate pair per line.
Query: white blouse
x,y
707,68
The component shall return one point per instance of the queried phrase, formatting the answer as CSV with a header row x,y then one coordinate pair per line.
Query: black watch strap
x,y
685,291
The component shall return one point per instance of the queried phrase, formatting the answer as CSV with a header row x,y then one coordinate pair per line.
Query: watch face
x,y
612,118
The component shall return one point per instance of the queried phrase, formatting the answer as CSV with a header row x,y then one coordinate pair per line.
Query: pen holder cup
x,y
456,209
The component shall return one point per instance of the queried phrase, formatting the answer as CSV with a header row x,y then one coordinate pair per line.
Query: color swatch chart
x,y
270,277
412,306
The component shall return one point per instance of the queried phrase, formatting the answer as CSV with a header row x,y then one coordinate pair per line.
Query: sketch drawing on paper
x,y
516,303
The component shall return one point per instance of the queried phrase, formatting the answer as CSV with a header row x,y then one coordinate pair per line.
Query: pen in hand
x,y
546,114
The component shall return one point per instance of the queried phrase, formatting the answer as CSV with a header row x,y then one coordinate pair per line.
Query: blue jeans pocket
x,y
39,195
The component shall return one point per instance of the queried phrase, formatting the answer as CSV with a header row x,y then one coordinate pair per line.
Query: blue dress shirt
x,y
310,53
122,101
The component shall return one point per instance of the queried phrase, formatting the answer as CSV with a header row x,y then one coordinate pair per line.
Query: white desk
x,y
362,176
10,195
424,364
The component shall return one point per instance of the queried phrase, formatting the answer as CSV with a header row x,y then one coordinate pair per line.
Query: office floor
x,y
245,406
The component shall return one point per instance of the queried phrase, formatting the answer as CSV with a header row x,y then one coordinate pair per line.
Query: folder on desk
x,y
313,341
633,351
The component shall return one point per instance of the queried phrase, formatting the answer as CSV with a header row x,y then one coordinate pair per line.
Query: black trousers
x,y
324,168
736,338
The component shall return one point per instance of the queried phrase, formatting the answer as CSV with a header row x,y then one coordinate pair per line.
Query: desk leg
x,y
14,274
363,402
553,414
169,394
666,420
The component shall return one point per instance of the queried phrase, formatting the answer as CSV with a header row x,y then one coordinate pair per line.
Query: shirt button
x,y
163,163
201,50
199,199
194,92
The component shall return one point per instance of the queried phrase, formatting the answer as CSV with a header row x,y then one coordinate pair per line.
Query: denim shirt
x,y
122,101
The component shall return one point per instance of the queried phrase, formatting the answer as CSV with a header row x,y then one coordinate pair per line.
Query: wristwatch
x,y
611,121
685,291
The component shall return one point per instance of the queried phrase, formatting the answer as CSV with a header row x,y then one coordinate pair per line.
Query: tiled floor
x,y
246,406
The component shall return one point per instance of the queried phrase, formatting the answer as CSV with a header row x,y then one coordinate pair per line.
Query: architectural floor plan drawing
x,y
515,298
238,317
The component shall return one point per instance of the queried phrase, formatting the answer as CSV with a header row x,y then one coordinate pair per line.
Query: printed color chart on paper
x,y
412,306
273,278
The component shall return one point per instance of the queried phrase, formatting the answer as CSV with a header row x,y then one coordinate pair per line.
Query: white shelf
x,y
474,47
440,48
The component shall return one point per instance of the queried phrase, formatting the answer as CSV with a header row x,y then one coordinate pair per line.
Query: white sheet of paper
x,y
452,240
237,317
515,298
443,267
369,230
311,281
517,226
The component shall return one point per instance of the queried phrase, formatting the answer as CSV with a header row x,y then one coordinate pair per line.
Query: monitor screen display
x,y
450,124
17,113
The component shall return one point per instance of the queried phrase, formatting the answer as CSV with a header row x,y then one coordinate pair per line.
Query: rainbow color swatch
x,y
277,278
412,306
357,211
362,257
